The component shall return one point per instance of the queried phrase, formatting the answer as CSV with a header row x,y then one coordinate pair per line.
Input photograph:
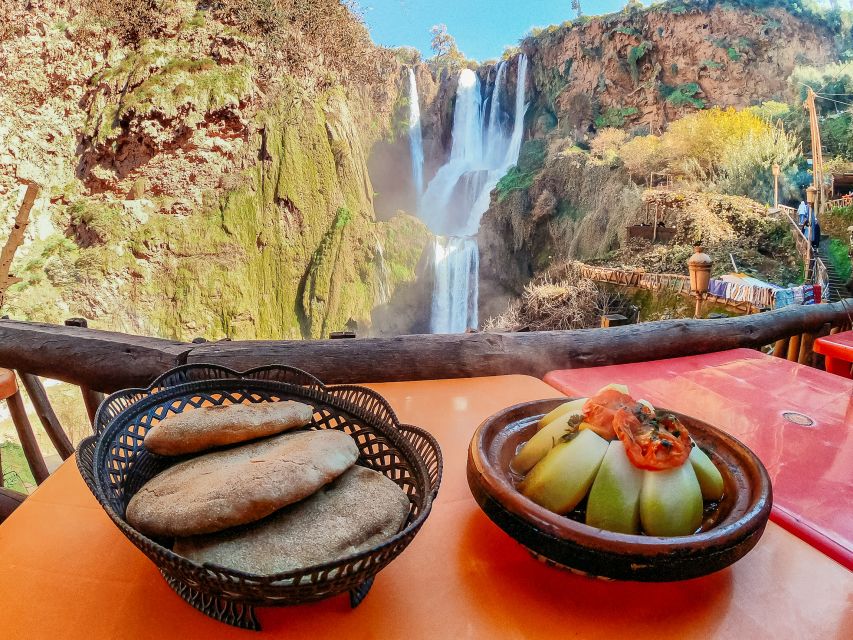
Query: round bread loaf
x,y
234,486
210,427
356,512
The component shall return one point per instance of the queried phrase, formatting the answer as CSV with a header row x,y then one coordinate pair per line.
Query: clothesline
x,y
744,288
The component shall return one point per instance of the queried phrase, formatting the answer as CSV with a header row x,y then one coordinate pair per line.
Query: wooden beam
x,y
420,357
9,501
101,360
32,453
16,238
47,416
108,361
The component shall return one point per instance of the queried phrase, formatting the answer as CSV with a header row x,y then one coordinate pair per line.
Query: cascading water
x,y
415,140
383,274
481,151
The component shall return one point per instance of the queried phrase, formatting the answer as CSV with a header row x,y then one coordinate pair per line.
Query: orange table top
x,y
796,419
67,572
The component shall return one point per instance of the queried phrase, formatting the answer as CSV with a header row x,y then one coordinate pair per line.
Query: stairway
x,y
837,287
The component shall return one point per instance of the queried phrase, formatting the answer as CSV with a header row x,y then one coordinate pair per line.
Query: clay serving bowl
x,y
726,535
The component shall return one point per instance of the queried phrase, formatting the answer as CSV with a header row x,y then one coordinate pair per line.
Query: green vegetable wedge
x,y
614,500
709,477
563,477
544,440
671,502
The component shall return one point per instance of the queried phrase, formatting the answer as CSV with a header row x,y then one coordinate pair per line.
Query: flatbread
x,y
211,427
356,512
235,486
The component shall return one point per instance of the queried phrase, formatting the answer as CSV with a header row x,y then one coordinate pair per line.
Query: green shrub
x,y
615,117
520,177
634,56
733,54
682,95
839,257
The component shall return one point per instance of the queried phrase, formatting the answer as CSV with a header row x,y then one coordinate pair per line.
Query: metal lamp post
x,y
776,171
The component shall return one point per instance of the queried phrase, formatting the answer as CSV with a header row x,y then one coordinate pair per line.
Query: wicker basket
x,y
115,464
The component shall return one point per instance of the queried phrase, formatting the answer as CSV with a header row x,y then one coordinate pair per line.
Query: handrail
x,y
819,274
838,202
107,361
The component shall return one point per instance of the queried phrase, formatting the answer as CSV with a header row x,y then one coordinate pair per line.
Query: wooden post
x,y
92,399
613,320
16,237
655,228
46,414
818,361
793,348
806,344
780,348
28,440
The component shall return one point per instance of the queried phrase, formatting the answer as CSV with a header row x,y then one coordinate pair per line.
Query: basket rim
x,y
153,395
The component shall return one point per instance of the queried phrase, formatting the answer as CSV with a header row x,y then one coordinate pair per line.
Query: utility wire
x,y
823,97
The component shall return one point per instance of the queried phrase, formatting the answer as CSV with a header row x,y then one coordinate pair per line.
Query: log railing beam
x,y
100,360
108,361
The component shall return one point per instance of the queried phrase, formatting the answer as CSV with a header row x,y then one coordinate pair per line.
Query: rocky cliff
x,y
644,67
191,185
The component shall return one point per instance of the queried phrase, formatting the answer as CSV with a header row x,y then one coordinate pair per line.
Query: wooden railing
x,y
839,202
656,281
104,361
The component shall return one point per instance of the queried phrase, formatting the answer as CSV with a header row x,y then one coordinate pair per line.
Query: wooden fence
x,y
657,281
839,202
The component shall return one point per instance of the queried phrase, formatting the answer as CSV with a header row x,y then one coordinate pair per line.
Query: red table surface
x,y
746,394
839,345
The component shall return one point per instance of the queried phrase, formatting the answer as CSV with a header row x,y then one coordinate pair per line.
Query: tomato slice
x,y
601,409
652,442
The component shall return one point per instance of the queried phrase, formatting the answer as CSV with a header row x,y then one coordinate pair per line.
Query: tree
x,y
442,43
576,7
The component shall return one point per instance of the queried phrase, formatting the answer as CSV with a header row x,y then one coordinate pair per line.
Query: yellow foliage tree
x,y
607,143
642,155
700,142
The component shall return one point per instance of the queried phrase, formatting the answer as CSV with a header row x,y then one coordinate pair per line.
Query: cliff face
x,y
646,67
185,193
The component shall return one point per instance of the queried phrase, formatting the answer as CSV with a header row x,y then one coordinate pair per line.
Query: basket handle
x,y
198,371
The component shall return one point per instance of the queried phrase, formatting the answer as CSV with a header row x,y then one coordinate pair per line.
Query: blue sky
x,y
482,28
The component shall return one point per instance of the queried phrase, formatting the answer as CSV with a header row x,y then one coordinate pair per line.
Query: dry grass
x,y
558,299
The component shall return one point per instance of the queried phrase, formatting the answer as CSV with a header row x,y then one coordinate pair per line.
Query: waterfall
x,y
454,303
482,149
383,274
415,140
